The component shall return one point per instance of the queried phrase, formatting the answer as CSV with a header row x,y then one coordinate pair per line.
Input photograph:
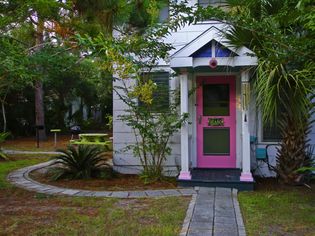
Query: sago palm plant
x,y
80,162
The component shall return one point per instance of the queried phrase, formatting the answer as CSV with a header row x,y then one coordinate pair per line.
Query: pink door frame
x,y
218,161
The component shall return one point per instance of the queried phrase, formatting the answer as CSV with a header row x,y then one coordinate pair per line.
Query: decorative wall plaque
x,y
216,122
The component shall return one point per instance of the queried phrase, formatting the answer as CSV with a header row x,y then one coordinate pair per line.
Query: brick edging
x,y
238,214
189,214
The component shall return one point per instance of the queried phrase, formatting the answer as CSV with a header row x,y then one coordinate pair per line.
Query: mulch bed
x,y
124,182
120,182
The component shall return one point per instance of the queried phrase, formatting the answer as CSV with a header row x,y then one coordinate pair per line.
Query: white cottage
x,y
224,139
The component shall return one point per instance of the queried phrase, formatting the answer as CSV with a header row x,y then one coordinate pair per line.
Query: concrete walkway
x,y
214,211
211,212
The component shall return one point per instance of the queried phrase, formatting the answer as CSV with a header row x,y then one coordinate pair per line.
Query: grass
x,y
17,163
29,213
283,211
94,216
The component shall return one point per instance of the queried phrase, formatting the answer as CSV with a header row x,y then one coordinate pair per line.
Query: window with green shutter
x,y
161,96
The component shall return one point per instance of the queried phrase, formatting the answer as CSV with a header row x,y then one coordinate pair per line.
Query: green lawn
x,y
28,213
289,211
20,162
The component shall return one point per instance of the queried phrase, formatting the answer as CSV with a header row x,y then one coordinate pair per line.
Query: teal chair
x,y
261,153
253,140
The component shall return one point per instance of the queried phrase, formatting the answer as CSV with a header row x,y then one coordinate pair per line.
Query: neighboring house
x,y
218,146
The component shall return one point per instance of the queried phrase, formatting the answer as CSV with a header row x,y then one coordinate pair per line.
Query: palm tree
x,y
276,31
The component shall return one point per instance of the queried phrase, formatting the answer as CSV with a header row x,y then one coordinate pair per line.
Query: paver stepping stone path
x,y
214,212
211,212
21,179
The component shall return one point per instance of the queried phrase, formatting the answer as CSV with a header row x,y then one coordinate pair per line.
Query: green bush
x,y
153,123
80,162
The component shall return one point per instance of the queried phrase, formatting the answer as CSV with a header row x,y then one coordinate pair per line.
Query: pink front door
x,y
216,122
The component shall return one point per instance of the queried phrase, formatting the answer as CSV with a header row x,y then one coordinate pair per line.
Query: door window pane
x,y
216,100
216,141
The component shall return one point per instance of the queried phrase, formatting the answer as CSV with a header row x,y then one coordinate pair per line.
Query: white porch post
x,y
246,175
184,173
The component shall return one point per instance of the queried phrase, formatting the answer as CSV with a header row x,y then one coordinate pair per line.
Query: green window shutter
x,y
161,96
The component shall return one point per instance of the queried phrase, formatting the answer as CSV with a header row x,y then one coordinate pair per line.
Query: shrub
x,y
153,124
80,162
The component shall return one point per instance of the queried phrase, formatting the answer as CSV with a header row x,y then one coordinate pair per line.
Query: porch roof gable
x,y
187,56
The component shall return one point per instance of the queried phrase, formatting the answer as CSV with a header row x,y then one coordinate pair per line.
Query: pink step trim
x,y
246,177
184,175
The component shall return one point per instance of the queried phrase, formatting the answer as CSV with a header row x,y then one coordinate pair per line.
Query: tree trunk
x,y
292,151
3,109
39,92
39,109
4,117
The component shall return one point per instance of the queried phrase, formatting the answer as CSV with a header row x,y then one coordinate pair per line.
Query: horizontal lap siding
x,y
312,133
121,127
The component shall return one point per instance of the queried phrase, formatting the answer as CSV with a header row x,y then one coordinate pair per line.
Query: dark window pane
x,y
216,100
216,141
271,133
